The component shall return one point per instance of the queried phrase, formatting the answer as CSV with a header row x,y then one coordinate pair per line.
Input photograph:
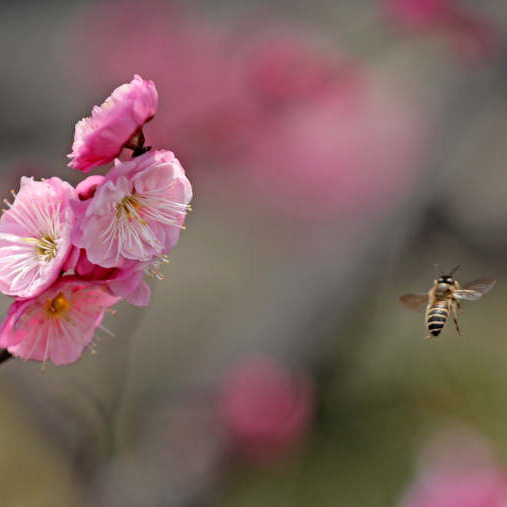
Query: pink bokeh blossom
x,y
470,35
99,138
35,236
58,324
420,14
351,155
266,408
460,473
136,214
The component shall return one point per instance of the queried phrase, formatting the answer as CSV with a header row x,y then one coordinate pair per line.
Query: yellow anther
x,y
57,306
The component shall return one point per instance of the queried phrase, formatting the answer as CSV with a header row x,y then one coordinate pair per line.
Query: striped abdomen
x,y
436,316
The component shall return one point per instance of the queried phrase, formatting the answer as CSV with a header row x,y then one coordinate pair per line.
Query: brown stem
x,y
136,144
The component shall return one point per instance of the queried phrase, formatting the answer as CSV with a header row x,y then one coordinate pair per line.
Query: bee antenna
x,y
454,270
436,268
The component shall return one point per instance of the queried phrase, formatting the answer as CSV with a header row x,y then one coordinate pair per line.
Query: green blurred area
x,y
33,474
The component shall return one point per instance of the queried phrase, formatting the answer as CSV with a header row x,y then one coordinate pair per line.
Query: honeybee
x,y
444,298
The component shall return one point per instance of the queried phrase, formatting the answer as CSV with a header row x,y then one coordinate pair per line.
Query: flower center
x,y
129,207
46,247
54,308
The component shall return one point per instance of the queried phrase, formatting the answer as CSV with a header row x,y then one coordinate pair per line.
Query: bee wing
x,y
414,301
475,289
482,285
467,295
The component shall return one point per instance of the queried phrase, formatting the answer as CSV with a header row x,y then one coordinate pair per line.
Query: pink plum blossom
x,y
86,189
35,236
127,281
58,324
101,137
459,473
136,214
266,408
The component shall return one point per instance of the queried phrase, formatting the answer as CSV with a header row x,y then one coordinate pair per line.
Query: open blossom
x,y
126,282
99,138
58,324
35,236
136,214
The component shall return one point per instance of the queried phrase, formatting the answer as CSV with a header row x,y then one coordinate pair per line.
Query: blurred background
x,y
338,151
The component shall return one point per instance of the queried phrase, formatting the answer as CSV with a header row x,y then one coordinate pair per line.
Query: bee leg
x,y
454,309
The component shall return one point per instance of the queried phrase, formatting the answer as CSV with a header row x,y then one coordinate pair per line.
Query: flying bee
x,y
444,298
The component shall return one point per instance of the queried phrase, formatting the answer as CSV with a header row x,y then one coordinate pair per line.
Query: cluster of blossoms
x,y
68,254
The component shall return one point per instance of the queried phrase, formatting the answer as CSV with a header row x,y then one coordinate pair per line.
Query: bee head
x,y
448,278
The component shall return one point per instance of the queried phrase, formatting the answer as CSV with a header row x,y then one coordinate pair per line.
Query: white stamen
x,y
155,268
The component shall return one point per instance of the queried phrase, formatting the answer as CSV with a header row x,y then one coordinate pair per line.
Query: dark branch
x,y
4,355
141,151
